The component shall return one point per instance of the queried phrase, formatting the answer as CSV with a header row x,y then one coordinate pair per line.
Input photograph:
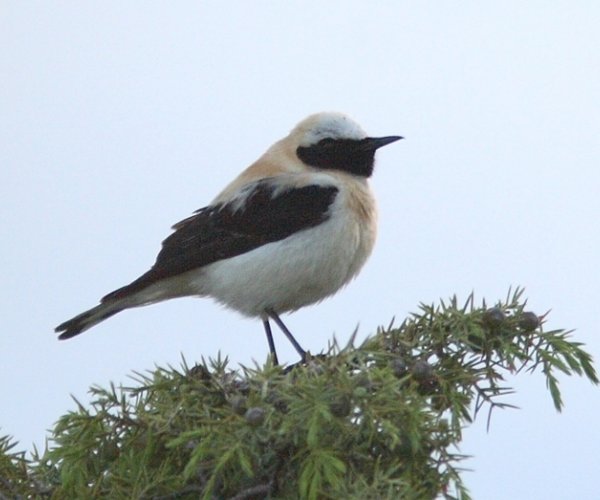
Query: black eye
x,y
327,142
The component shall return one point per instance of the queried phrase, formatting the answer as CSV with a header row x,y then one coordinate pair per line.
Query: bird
x,y
292,229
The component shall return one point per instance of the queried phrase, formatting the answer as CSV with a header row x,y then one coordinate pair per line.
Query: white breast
x,y
301,269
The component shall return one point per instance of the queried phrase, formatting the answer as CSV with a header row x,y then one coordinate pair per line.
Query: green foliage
x,y
381,420
14,477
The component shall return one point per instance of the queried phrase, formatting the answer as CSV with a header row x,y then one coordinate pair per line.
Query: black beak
x,y
373,143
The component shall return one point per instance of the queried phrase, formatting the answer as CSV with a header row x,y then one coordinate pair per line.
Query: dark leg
x,y
287,333
270,341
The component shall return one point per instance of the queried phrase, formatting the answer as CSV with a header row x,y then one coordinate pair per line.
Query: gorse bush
x,y
381,420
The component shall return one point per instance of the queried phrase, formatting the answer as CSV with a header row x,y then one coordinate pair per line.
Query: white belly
x,y
291,273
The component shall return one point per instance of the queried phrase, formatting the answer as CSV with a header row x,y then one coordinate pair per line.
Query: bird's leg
x,y
270,341
287,333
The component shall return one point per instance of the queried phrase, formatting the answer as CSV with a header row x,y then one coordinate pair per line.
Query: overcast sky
x,y
120,118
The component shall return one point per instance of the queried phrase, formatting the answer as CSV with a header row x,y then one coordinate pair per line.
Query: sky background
x,y
120,118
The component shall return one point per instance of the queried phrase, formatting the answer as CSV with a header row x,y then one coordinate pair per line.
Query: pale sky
x,y
121,118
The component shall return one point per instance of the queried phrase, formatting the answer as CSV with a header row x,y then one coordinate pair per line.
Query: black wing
x,y
218,232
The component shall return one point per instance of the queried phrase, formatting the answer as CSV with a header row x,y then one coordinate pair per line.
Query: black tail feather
x,y
85,320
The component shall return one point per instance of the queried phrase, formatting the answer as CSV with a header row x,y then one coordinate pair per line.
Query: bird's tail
x,y
87,319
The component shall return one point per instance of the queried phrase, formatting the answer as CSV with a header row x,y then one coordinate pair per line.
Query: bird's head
x,y
334,141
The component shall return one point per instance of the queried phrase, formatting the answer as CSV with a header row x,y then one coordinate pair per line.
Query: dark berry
x,y
199,372
529,321
340,406
494,317
255,416
399,367
422,371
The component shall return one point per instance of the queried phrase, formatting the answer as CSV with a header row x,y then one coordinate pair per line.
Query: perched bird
x,y
290,230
